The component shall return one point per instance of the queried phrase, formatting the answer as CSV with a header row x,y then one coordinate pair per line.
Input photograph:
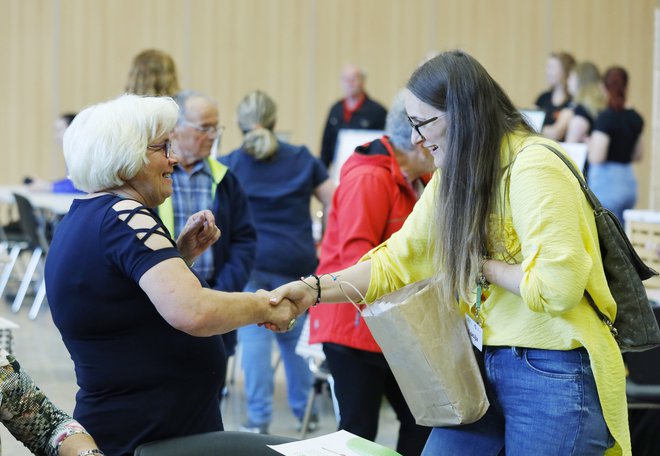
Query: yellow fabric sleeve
x,y
554,235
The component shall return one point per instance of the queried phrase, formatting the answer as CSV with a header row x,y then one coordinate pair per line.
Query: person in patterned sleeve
x,y
34,420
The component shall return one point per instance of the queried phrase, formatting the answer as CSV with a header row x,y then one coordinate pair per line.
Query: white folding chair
x,y
315,357
34,231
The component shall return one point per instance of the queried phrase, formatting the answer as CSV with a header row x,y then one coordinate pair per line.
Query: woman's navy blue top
x,y
280,190
140,379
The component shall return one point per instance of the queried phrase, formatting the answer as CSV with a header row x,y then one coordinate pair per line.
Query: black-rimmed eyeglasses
x,y
419,125
166,147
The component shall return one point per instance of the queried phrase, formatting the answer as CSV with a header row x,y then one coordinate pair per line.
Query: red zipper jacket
x,y
371,203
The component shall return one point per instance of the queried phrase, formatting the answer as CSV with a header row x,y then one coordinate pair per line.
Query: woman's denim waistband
x,y
519,351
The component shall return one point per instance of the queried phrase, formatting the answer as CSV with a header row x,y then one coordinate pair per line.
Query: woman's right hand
x,y
302,295
280,314
296,294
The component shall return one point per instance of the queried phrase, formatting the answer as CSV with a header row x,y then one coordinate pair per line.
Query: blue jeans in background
x,y
257,344
615,186
542,402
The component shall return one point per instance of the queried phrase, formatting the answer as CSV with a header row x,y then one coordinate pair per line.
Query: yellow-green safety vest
x,y
166,210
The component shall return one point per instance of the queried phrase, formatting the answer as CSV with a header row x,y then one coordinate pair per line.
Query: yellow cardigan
x,y
546,225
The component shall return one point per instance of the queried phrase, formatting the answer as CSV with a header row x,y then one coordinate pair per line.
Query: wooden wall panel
x,y
254,45
27,75
61,55
654,187
384,37
507,37
99,40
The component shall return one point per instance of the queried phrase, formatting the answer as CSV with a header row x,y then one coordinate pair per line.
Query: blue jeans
x,y
257,345
615,185
542,402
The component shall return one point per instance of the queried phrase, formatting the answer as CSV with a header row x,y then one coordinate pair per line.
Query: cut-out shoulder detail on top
x,y
142,220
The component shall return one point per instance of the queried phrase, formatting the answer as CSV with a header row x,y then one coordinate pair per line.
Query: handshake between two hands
x,y
286,304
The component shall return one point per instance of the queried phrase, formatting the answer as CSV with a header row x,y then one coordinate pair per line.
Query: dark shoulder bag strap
x,y
643,270
598,208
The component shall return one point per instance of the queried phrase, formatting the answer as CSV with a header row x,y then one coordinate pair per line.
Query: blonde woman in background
x,y
279,180
575,122
589,100
153,73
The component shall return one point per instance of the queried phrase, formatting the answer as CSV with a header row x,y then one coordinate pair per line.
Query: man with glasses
x,y
355,111
201,182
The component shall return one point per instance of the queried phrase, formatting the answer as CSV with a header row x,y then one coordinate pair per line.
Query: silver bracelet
x,y
67,430
91,452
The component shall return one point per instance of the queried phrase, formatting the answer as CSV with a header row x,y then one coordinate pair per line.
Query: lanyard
x,y
477,305
475,325
482,284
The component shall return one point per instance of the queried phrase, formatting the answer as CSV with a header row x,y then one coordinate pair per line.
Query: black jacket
x,y
370,116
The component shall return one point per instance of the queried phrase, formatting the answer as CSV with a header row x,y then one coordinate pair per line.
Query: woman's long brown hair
x,y
479,115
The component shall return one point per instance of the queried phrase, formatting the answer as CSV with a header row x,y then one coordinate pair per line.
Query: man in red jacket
x,y
379,185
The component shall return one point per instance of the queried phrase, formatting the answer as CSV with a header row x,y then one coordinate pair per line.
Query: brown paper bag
x,y
428,349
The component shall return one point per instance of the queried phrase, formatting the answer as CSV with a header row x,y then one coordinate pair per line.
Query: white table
x,y
57,203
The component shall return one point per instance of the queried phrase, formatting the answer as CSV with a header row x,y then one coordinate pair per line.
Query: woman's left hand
x,y
507,276
198,235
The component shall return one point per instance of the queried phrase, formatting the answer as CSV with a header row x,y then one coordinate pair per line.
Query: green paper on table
x,y
365,447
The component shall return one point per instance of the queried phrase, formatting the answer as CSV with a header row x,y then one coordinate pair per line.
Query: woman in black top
x,y
615,143
556,97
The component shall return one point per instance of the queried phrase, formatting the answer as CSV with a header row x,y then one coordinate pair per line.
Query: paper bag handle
x,y
341,284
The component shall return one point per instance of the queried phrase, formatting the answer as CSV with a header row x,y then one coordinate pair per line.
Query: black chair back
x,y
30,224
644,367
225,442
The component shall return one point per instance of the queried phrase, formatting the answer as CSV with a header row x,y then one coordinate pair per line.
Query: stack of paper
x,y
340,443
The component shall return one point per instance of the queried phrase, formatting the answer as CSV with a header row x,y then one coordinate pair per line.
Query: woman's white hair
x,y
106,144
397,125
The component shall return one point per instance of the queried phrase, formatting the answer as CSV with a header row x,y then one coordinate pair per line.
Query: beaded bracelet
x,y
481,279
318,287
91,452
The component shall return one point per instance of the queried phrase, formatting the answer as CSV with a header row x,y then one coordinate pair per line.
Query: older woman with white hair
x,y
279,180
141,328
